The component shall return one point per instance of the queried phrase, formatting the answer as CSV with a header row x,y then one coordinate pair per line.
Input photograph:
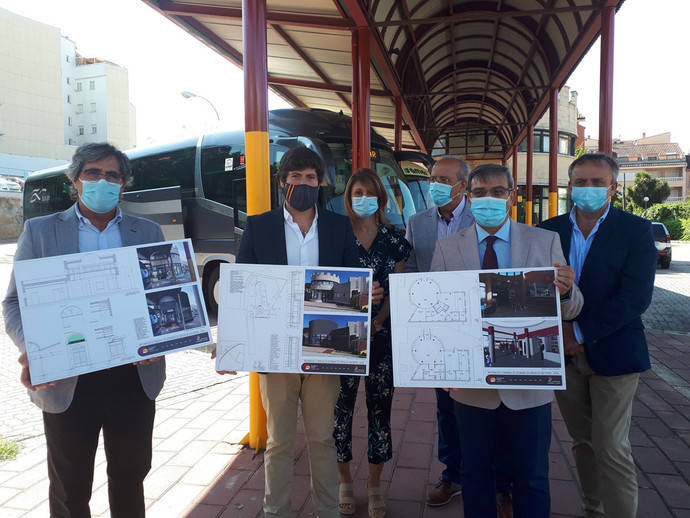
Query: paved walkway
x,y
199,469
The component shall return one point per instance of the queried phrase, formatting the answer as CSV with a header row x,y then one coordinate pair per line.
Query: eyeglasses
x,y
93,175
496,192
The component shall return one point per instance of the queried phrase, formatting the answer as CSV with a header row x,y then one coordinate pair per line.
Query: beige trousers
x,y
597,411
280,394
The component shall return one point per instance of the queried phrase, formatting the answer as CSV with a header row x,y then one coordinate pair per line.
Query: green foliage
x,y
646,185
664,211
686,229
8,449
580,150
674,227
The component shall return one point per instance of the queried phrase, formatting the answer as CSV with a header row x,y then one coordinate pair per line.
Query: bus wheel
x,y
212,290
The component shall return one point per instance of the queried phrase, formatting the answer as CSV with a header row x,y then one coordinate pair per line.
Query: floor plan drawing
x,y
476,329
435,361
94,312
264,323
431,304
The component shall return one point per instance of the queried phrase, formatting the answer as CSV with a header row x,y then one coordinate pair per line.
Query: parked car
x,y
662,240
9,186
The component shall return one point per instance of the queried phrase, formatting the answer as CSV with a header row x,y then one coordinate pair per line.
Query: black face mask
x,y
301,197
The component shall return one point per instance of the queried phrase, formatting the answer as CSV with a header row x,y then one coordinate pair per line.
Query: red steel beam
x,y
578,50
553,152
315,85
514,209
606,81
529,176
235,13
363,66
383,64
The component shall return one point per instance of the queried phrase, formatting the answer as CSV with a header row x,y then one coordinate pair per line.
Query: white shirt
x,y
301,250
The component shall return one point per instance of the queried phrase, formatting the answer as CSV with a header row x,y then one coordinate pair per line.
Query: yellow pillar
x,y
528,212
258,168
553,204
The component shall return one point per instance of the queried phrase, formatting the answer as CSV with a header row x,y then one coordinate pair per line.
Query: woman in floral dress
x,y
384,249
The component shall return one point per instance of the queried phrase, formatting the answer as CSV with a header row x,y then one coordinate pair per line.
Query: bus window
x,y
222,168
175,167
47,194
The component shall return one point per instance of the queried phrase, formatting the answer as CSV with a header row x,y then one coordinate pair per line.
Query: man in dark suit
x,y
614,258
298,233
119,401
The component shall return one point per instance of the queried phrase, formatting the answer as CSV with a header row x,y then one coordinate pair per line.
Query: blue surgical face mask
x,y
589,199
101,196
440,193
489,212
365,206
301,196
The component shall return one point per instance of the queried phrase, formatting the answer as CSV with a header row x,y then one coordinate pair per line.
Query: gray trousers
x,y
597,412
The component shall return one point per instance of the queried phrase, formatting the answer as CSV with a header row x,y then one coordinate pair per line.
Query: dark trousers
x,y
526,436
114,401
449,452
379,396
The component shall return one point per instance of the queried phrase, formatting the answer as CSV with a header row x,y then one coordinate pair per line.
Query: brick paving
x,y
199,470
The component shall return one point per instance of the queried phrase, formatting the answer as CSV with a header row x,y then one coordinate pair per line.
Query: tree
x,y
646,185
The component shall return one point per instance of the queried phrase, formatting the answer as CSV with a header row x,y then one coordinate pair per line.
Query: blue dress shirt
x,y
444,228
501,245
91,239
579,248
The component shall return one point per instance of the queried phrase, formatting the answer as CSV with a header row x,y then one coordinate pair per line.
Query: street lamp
x,y
189,95
646,199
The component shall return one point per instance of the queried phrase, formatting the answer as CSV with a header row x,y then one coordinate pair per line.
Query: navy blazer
x,y
617,282
263,240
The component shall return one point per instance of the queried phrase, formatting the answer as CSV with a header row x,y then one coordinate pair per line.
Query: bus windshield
x,y
400,202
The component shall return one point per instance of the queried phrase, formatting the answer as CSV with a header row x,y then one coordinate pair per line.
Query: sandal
x,y
346,499
377,505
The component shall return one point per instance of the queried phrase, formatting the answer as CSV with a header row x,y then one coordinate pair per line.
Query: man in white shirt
x,y
298,233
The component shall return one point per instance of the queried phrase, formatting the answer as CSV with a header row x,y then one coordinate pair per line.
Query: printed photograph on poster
x,y
335,335
336,290
521,343
174,309
518,294
164,265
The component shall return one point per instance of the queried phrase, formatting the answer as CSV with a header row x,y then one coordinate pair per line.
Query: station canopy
x,y
477,71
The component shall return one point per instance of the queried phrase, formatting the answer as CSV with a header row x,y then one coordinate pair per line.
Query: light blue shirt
x,y
579,248
445,229
501,245
90,238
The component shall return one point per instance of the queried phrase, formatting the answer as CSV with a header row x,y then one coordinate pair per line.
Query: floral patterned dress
x,y
388,248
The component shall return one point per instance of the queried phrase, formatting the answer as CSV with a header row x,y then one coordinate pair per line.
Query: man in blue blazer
x,y
119,401
449,215
614,258
299,233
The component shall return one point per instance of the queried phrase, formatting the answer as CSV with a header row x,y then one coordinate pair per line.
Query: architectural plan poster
x,y
293,319
477,329
94,310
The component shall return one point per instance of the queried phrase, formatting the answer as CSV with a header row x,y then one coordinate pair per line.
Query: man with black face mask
x,y
299,233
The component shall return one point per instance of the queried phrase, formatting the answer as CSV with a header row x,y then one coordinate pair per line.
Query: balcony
x,y
673,199
673,181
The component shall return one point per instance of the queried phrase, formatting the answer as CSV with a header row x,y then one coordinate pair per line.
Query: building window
x,y
69,121
67,58
70,142
80,108
69,99
68,80
81,130
92,107
92,85
563,145
93,129
78,89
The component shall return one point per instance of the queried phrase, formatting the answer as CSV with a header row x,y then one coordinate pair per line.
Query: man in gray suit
x,y
450,214
119,401
518,420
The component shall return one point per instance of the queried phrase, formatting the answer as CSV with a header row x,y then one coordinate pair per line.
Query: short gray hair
x,y
600,158
464,167
94,152
485,171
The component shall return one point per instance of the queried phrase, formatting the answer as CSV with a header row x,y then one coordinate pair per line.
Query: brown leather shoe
x,y
504,505
443,492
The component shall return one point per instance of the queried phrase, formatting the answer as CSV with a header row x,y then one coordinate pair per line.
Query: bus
x,y
417,167
208,176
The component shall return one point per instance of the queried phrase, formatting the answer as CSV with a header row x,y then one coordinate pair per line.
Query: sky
x,y
651,73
